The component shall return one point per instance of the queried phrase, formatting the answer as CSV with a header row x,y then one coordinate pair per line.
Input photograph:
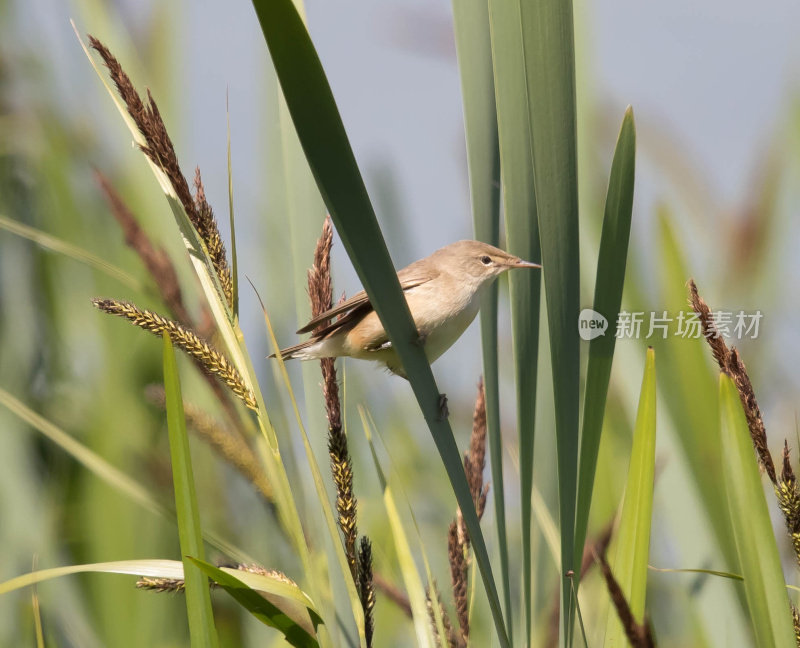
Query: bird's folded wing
x,y
409,277
359,299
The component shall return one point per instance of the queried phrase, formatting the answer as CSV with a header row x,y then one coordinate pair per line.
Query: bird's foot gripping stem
x,y
444,412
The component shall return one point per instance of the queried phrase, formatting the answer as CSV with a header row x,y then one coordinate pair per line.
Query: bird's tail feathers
x,y
300,351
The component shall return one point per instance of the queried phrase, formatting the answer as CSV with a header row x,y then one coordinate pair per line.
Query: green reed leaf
x,y
633,535
759,560
198,598
327,149
608,285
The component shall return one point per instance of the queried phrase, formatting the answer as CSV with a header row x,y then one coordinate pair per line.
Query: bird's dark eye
x,y
486,260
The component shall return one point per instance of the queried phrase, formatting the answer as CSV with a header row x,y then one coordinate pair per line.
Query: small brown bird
x,y
443,294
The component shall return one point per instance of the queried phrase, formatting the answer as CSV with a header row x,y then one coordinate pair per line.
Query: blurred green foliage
x,y
87,373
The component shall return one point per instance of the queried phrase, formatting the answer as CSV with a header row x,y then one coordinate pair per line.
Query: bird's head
x,y
480,262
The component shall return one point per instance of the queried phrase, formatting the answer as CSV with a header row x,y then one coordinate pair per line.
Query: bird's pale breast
x,y
440,320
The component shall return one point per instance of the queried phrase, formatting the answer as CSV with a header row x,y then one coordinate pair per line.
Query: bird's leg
x,y
419,340
444,412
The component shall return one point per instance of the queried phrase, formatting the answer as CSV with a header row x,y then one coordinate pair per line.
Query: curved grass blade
x,y
431,590
522,233
234,256
547,30
198,598
283,594
49,242
322,495
609,280
710,572
474,50
297,621
547,525
37,614
633,535
298,201
542,516
154,568
304,212
322,135
688,570
759,561
411,578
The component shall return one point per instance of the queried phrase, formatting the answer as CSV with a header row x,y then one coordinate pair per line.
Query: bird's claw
x,y
444,412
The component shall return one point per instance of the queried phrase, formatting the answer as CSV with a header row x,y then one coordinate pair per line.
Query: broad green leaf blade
x,y
633,535
50,242
759,561
474,50
609,280
411,578
322,135
198,598
473,47
547,32
522,233
296,622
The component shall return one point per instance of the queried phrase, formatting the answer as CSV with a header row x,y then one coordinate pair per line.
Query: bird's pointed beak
x,y
519,263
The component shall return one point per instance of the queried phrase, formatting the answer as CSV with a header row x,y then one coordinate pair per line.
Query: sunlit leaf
x,y
270,599
759,561
633,535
